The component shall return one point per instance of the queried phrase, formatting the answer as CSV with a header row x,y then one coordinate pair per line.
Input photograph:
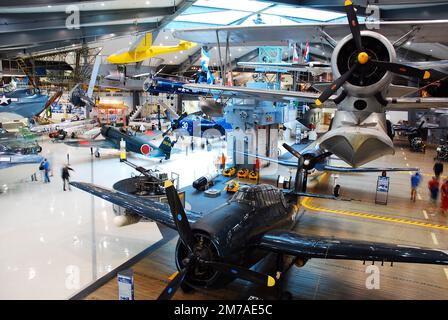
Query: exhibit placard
x,y
125,285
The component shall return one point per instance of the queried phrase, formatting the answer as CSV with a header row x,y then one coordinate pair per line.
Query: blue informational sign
x,y
125,285
383,184
382,190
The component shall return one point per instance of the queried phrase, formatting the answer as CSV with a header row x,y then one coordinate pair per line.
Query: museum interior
x,y
224,150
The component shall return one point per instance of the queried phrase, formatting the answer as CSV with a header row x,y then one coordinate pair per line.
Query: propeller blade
x,y
354,25
291,150
179,216
330,90
174,284
241,273
402,69
421,125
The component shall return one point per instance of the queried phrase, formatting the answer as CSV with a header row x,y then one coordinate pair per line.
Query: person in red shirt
x,y
433,186
444,197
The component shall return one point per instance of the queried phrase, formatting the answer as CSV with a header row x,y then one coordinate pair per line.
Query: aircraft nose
x,y
357,146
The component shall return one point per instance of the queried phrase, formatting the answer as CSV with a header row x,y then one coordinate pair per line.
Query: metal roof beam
x,y
17,22
40,3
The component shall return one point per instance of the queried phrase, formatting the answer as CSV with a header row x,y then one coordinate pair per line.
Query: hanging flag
x,y
205,60
295,53
306,53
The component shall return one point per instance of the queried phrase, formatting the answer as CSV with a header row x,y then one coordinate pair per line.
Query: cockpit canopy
x,y
259,196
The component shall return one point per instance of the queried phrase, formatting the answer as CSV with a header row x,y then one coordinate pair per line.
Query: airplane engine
x,y
368,79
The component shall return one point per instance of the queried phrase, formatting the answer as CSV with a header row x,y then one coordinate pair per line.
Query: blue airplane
x,y
196,126
157,85
136,143
24,102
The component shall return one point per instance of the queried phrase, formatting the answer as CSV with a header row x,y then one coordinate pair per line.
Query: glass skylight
x,y
267,19
241,5
221,18
304,13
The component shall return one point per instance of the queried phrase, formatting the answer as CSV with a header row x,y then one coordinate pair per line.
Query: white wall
x,y
395,116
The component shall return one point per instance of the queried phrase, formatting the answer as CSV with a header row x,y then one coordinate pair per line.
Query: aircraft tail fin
x,y
142,43
166,146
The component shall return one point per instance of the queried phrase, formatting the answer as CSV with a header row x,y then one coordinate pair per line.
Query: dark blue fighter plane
x,y
134,143
217,247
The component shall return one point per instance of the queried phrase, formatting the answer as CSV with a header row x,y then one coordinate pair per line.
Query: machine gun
x,y
150,182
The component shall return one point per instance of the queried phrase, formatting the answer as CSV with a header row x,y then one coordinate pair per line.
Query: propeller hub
x,y
363,57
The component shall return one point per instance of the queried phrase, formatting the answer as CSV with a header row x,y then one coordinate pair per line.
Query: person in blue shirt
x,y
47,171
416,178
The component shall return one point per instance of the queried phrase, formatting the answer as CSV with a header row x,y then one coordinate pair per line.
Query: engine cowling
x,y
374,80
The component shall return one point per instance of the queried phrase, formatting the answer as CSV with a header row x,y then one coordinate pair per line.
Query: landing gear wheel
x,y
97,154
286,295
336,190
186,288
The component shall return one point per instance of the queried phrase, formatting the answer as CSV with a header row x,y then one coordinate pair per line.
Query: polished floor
x,y
400,221
55,243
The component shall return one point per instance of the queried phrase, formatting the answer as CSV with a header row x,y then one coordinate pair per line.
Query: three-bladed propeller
x,y
363,58
194,257
304,164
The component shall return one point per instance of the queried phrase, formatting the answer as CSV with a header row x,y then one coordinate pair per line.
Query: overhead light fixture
x,y
148,3
408,43
430,50
102,4
49,6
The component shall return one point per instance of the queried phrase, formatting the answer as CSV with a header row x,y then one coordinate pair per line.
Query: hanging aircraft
x,y
196,125
136,143
220,246
143,49
366,60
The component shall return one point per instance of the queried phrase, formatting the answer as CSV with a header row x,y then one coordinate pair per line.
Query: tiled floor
x,y
54,243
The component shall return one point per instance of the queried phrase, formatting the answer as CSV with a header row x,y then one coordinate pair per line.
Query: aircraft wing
x,y
157,211
287,163
249,93
393,91
305,247
286,66
416,103
103,144
426,31
349,169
